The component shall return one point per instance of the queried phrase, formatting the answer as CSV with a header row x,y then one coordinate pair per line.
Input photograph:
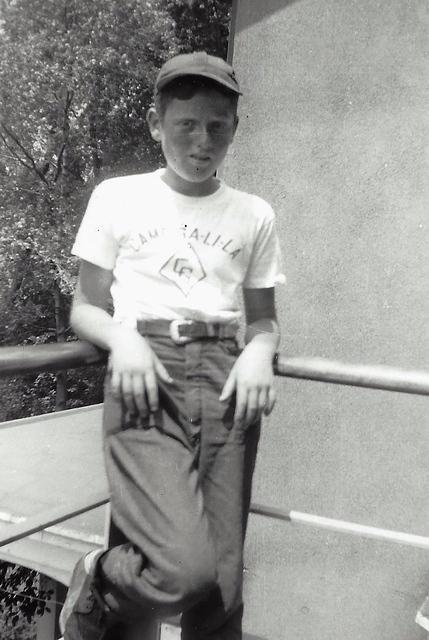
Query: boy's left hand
x,y
251,378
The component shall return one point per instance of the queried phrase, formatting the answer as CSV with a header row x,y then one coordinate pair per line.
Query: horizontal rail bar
x,y
356,375
67,355
49,357
342,526
12,533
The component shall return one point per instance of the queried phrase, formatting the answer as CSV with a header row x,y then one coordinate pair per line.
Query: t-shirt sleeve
x,y
95,240
265,266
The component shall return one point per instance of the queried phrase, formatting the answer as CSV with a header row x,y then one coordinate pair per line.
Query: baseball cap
x,y
198,63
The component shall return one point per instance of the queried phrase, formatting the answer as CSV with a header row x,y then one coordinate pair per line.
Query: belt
x,y
184,331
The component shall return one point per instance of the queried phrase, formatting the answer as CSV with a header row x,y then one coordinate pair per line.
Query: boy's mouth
x,y
200,158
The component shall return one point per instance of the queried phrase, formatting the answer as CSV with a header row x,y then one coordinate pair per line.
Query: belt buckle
x,y
175,331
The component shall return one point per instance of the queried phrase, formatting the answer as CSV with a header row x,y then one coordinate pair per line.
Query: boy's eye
x,y
186,125
220,128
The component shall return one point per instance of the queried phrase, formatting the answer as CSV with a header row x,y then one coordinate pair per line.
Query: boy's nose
x,y
202,134
203,138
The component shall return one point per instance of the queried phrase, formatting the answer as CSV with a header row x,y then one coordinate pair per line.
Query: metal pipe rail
x,y
356,375
49,357
54,357
67,355
13,532
27,527
342,526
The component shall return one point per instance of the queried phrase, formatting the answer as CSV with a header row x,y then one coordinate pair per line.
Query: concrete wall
x,y
334,133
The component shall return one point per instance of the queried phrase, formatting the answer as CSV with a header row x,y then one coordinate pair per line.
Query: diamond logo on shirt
x,y
184,269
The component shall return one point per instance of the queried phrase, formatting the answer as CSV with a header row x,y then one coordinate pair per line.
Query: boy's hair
x,y
186,87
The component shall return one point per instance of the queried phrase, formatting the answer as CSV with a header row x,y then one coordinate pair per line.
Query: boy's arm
x,y
252,376
133,365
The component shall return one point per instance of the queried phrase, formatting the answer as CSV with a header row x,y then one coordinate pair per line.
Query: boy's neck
x,y
186,188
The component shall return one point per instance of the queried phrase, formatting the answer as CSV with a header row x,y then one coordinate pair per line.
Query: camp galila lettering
x,y
208,238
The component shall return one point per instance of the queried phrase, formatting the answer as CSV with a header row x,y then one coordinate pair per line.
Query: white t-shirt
x,y
176,256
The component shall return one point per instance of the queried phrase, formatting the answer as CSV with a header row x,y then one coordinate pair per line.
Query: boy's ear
x,y
154,124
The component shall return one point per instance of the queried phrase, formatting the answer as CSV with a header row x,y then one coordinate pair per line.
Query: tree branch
x,y
66,131
12,150
26,153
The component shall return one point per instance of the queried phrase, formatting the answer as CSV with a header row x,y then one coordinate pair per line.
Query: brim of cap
x,y
202,74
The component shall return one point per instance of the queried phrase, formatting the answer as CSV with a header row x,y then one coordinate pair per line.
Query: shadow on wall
x,y
254,11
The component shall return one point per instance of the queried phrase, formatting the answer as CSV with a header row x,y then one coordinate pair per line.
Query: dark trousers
x,y
180,486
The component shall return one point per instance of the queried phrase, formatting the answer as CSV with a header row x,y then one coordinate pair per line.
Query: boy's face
x,y
195,134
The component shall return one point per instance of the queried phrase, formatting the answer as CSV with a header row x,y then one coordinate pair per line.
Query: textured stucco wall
x,y
334,133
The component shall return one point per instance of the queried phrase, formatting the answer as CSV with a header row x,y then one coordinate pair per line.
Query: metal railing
x,y
54,357
67,355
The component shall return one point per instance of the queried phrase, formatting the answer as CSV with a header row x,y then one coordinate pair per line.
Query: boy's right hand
x,y
134,369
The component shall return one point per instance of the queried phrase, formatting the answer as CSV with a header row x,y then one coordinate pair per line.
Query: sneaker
x,y
83,616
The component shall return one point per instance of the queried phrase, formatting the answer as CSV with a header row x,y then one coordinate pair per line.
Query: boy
x,y
182,404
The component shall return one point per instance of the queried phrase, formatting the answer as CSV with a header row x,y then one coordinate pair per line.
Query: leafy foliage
x,y
202,25
21,600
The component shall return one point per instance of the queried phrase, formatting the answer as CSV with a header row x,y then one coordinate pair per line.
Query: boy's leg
x,y
227,501
226,464
142,630
169,560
